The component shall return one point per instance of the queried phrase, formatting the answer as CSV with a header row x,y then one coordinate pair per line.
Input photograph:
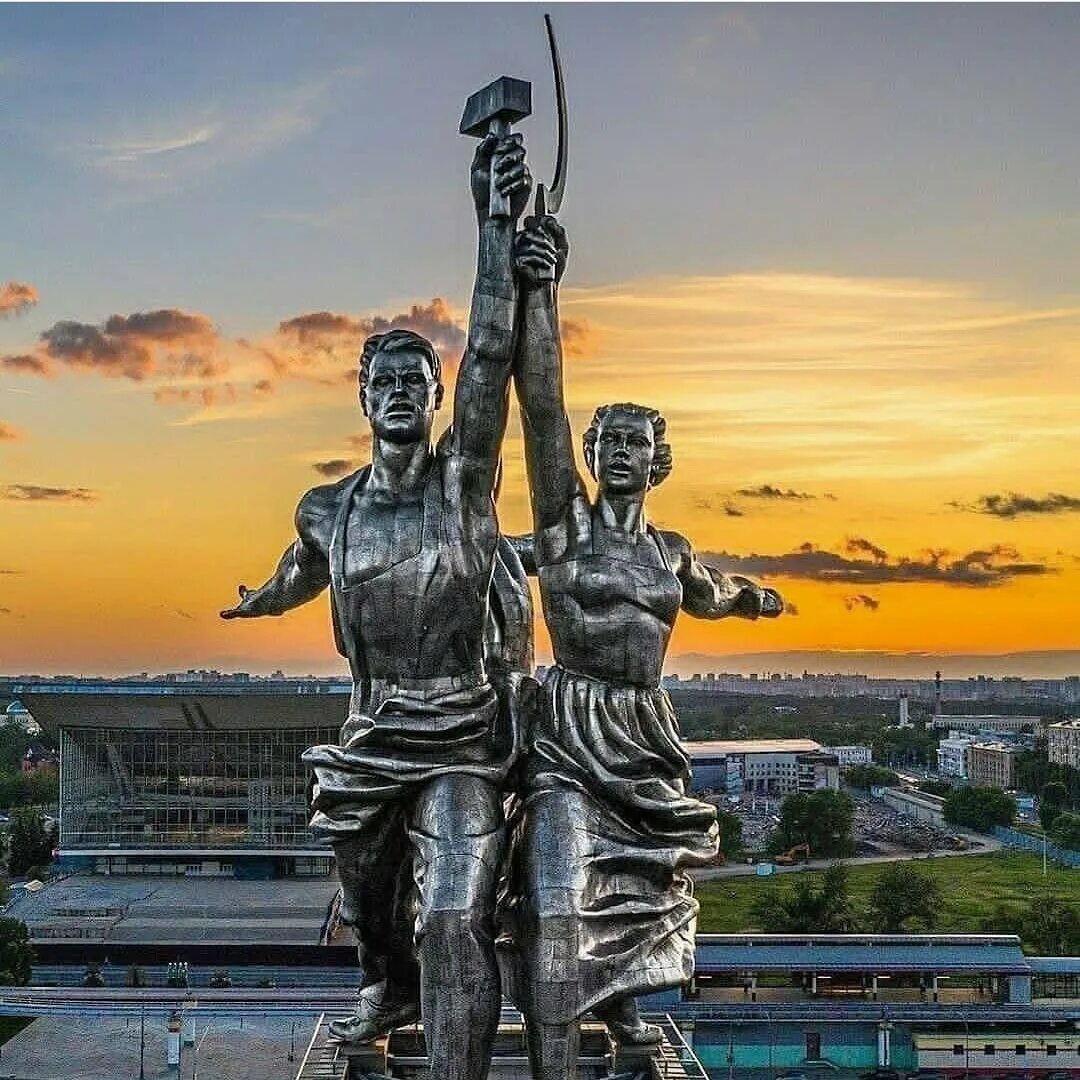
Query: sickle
x,y
549,201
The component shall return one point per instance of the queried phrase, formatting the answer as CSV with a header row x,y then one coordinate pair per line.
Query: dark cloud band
x,y
1014,504
993,566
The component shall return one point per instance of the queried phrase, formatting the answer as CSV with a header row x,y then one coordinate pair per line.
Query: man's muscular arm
x,y
304,569
710,594
481,397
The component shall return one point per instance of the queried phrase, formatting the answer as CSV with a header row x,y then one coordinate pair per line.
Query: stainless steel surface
x,y
602,907
431,609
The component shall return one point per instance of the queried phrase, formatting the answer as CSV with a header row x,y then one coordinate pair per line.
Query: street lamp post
x,y
142,1043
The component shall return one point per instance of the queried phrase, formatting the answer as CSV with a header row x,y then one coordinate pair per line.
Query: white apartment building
x,y
1063,743
989,722
770,767
851,755
952,754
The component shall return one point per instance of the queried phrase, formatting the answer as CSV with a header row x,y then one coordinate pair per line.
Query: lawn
x,y
10,1026
972,886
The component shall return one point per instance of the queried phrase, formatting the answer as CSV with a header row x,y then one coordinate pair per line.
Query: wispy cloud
x,y
768,491
125,152
26,364
16,297
155,155
861,600
1015,505
333,468
36,493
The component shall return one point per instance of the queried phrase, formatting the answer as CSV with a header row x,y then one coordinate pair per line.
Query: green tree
x,y
93,976
941,788
868,776
1052,801
822,819
902,894
1065,831
29,842
804,909
980,808
16,955
730,834
1052,927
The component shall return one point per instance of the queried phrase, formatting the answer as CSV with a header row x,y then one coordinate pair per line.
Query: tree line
x,y
905,899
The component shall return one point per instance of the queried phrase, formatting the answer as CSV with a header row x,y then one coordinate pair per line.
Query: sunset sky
x,y
838,247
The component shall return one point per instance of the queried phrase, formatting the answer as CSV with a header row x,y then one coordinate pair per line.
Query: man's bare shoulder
x,y
318,508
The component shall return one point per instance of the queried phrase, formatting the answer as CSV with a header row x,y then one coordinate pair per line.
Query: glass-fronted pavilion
x,y
159,778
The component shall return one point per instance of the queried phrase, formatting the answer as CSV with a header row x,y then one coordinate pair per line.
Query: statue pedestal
x,y
403,1056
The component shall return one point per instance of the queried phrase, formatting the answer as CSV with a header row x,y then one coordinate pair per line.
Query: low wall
x,y
1026,842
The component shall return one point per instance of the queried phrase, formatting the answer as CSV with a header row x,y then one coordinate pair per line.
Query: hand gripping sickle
x,y
549,200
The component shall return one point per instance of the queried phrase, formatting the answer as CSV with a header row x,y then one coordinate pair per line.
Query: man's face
x,y
624,453
401,396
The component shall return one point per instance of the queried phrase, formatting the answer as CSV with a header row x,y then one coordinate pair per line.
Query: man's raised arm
x,y
302,573
481,397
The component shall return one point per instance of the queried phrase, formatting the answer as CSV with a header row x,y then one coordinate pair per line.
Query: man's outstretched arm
x,y
302,573
481,397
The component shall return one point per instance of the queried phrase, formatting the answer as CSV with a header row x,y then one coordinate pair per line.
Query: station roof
x,y
880,953
1055,965
723,748
188,708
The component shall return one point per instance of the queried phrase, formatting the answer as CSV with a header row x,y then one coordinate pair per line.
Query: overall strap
x,y
661,546
337,565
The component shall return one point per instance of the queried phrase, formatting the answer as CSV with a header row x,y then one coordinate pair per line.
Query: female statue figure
x,y
605,908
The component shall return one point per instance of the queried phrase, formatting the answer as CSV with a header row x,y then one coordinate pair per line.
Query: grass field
x,y
973,886
10,1026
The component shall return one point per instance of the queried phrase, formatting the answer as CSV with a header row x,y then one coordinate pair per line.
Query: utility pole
x,y
142,1043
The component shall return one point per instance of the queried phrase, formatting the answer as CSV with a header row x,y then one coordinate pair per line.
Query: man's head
x,y
400,380
626,448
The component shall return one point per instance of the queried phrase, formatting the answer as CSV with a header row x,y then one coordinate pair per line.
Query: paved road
x,y
986,845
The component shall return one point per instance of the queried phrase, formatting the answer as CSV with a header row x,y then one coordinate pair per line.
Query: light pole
x,y
195,1052
142,1043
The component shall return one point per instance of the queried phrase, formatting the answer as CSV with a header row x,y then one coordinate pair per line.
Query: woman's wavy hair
x,y
399,341
661,462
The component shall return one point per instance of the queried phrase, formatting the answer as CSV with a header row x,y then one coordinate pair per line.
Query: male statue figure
x,y
408,545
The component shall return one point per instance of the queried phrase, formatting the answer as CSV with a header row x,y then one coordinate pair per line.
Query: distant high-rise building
x,y
905,718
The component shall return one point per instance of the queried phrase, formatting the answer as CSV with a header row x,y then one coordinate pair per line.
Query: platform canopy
x,y
998,954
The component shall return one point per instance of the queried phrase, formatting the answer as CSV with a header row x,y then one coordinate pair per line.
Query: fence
x,y
1027,842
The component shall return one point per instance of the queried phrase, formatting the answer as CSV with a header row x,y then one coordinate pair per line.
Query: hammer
x,y
491,111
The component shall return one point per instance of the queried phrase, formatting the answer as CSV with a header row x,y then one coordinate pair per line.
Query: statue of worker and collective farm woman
x,y
491,834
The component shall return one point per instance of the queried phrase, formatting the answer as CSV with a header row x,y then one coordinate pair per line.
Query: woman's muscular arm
x,y
710,594
538,376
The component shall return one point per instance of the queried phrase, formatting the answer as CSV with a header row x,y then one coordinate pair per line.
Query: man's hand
x,y
541,246
505,160
243,610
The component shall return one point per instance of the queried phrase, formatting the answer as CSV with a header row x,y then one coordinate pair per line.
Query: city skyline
x,y
836,247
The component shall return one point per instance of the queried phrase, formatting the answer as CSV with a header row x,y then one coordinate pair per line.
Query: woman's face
x,y
624,453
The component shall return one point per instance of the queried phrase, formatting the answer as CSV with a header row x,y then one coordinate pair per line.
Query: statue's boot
x,y
373,1019
625,1024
